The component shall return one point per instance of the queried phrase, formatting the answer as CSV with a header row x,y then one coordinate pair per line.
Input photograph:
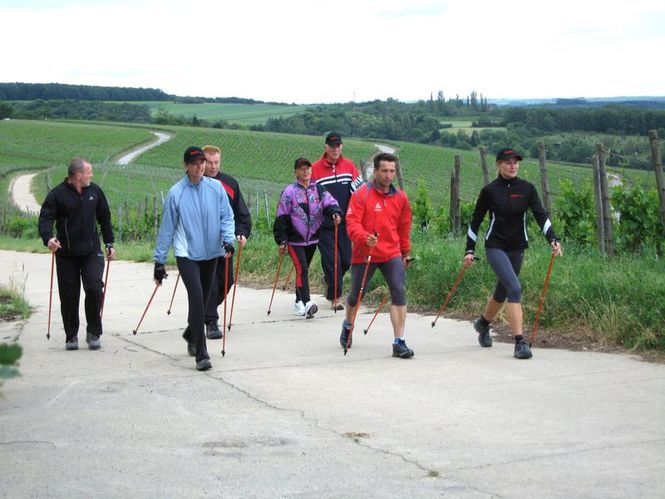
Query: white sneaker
x,y
299,307
311,308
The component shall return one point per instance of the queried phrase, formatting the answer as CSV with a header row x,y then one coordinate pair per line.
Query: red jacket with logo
x,y
340,180
387,214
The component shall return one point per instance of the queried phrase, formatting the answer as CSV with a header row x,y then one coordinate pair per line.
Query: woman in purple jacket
x,y
300,213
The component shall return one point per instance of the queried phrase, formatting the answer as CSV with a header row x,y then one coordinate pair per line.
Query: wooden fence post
x,y
483,165
598,201
455,211
607,215
400,178
658,169
544,183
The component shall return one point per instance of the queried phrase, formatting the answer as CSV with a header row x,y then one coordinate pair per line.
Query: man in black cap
x,y
341,178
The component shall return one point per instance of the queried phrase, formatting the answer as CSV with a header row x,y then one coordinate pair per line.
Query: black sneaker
x,y
93,341
522,350
344,337
72,344
401,350
187,336
212,331
203,365
484,337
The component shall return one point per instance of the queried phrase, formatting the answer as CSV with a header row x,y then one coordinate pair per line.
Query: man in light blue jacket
x,y
198,222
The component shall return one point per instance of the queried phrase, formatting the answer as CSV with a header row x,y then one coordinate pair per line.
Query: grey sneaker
x,y
212,331
344,337
336,306
310,309
203,365
72,344
401,350
522,350
94,343
484,337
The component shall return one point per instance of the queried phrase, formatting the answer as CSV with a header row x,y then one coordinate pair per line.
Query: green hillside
x,y
243,114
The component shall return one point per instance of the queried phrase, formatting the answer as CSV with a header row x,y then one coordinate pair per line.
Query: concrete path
x,y
285,413
131,156
20,191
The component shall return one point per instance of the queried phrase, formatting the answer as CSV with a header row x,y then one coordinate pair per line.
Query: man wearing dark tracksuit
x,y
340,177
243,227
77,206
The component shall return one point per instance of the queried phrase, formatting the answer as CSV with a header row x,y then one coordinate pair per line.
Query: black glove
x,y
160,272
228,247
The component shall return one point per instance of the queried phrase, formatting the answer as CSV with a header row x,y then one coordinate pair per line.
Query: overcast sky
x,y
337,51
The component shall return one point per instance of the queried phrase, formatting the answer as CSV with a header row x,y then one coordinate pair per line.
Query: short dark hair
x,y
384,156
76,165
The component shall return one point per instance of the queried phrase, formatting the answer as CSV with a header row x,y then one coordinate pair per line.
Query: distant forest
x,y
523,127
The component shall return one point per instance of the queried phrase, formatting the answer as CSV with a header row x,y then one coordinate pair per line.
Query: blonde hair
x,y
212,149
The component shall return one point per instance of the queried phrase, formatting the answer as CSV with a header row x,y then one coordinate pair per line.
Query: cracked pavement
x,y
285,413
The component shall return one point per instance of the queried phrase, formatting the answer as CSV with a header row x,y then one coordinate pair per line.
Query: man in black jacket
x,y
243,227
77,206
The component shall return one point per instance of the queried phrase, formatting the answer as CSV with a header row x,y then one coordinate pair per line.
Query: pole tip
x,y
364,331
268,312
433,322
134,332
223,353
168,312
48,336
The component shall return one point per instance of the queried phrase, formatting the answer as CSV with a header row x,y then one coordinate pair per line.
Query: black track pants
x,y
327,250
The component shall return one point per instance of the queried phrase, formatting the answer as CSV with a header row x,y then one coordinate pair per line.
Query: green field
x,y
242,114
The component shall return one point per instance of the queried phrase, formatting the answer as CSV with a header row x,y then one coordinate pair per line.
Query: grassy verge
x,y
12,304
614,302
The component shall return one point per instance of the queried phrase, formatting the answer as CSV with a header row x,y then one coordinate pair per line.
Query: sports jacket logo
x,y
377,207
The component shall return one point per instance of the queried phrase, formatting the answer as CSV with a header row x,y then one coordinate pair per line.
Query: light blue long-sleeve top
x,y
196,220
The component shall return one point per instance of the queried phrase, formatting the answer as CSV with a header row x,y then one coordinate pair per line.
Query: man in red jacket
x,y
379,225
341,178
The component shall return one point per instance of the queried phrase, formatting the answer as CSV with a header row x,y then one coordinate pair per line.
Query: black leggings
x,y
506,266
302,257
217,294
197,276
393,273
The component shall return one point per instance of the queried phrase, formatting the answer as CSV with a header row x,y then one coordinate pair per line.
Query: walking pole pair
x,y
279,268
235,286
335,278
360,297
378,310
452,291
542,300
106,285
157,285
226,291
50,297
177,280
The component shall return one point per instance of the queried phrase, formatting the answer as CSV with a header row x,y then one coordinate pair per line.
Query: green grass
x,y
36,144
242,114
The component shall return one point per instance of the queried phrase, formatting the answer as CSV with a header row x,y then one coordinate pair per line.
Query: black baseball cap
x,y
192,153
508,153
301,161
333,139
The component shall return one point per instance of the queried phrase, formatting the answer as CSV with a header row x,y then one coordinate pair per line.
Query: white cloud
x,y
303,51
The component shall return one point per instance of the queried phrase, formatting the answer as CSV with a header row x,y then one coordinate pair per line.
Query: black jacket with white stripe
x,y
507,201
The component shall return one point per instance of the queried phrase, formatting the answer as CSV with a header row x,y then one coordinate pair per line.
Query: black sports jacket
x,y
507,201
76,217
241,216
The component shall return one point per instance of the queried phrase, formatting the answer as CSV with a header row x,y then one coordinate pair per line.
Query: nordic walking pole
x,y
383,302
279,267
360,296
146,308
50,297
106,285
226,292
288,278
177,280
235,286
542,300
335,271
451,292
